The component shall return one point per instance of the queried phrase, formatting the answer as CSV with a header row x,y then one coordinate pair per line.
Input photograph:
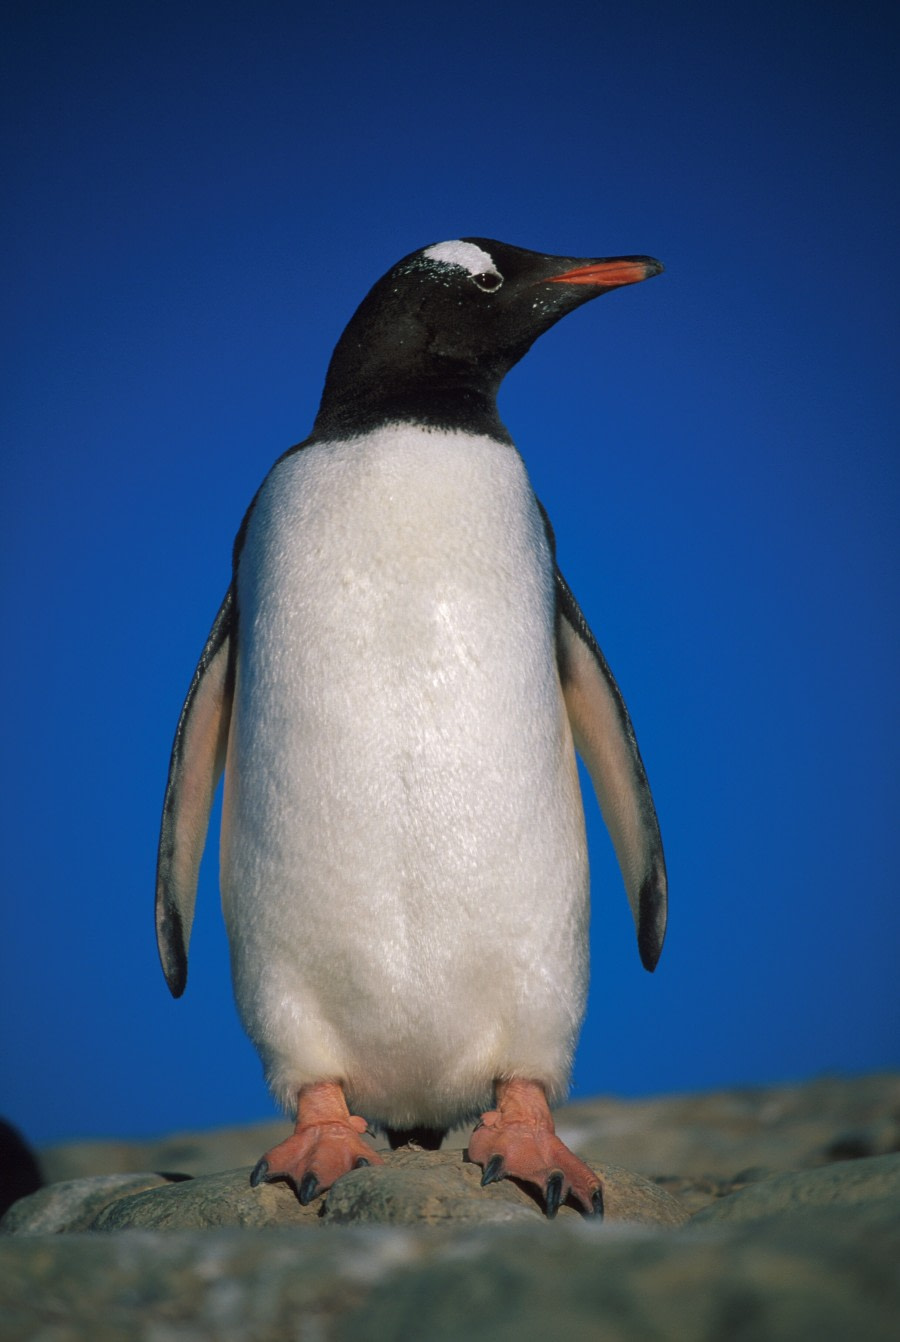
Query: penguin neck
x,y
465,408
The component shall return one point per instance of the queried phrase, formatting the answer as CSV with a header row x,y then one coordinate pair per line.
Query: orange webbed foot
x,y
517,1140
326,1143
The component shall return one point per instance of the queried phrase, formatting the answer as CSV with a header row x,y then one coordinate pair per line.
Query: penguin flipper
x,y
605,740
198,758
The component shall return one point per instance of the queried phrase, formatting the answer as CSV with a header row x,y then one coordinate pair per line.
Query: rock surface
x,y
74,1204
440,1188
787,1242
826,1278
714,1134
846,1184
419,1188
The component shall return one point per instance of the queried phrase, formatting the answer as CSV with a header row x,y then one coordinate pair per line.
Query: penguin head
x,y
434,338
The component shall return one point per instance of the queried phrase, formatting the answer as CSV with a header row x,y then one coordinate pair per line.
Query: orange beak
x,y
610,274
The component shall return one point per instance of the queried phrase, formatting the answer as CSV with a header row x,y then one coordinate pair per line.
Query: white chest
x,y
405,571
398,722
402,831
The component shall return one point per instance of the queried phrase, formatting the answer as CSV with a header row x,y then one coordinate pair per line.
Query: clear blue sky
x,y
196,199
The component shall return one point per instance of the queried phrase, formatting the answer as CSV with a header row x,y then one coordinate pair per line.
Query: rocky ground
x,y
763,1214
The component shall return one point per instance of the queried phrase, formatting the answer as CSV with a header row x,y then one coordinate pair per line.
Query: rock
x,y
428,1188
825,1277
877,1138
697,1191
847,1183
221,1285
817,1282
417,1249
720,1133
73,1204
191,1152
712,1135
210,1201
414,1187
439,1187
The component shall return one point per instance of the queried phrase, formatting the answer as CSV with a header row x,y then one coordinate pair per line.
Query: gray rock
x,y
825,1277
712,1135
774,1257
696,1191
72,1204
846,1183
821,1281
413,1187
190,1152
185,1286
208,1202
719,1133
424,1188
440,1187
818,1282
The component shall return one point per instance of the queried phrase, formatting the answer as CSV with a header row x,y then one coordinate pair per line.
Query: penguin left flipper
x,y
604,738
198,758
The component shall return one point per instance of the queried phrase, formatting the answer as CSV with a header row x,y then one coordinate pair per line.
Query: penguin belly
x,y
403,861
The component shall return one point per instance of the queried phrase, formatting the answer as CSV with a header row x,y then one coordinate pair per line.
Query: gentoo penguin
x,y
396,684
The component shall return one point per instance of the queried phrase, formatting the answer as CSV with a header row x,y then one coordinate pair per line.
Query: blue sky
x,y
197,199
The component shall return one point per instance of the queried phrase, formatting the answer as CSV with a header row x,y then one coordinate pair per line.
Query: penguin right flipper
x,y
605,740
198,758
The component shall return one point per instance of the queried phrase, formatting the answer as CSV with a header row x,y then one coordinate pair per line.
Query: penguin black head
x,y
433,339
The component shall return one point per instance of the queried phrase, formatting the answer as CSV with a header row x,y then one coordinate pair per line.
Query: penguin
x,y
395,686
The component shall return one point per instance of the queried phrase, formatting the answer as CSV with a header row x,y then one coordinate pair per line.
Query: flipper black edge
x,y
605,738
195,767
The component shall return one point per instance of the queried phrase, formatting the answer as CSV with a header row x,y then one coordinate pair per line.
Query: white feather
x,y
474,260
404,872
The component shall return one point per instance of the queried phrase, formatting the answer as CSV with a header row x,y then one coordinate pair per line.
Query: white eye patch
x,y
468,257
464,254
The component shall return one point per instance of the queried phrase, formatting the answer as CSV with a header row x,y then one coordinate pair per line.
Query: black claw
x,y
260,1170
553,1194
309,1186
493,1171
597,1203
361,1163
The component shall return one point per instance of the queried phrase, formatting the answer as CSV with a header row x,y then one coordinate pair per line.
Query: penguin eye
x,y
488,280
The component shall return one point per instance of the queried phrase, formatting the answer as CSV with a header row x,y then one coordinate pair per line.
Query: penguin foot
x,y
326,1143
517,1140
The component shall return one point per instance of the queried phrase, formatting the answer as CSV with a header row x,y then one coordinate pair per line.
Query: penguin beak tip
x,y
611,273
